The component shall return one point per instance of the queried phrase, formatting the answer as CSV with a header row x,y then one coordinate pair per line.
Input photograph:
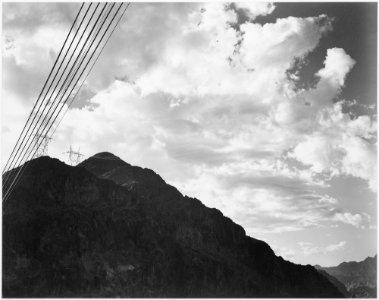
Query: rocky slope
x,y
338,284
108,229
359,278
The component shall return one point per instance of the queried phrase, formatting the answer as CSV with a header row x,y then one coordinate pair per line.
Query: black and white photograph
x,y
189,149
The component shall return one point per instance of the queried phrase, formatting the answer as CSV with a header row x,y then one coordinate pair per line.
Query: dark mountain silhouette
x,y
109,229
359,278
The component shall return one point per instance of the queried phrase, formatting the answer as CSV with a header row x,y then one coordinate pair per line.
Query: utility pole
x,y
41,143
74,157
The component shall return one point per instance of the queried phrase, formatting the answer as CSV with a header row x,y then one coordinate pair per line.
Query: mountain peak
x,y
123,232
109,166
102,162
106,155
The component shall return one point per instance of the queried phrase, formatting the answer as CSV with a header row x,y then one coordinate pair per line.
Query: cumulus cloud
x,y
318,152
202,108
36,33
341,146
336,144
309,249
254,9
337,65
211,56
356,220
209,105
360,159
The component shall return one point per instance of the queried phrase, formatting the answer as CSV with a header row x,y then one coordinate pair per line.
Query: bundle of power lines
x,y
93,26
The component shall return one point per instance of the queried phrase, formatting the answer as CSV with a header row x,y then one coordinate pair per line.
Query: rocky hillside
x,y
108,229
359,278
338,284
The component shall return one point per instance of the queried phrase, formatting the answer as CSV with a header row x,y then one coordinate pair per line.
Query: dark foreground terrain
x,y
359,278
108,229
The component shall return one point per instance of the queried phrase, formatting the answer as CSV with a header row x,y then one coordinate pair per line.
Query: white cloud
x,y
211,109
356,220
279,43
309,249
337,65
341,146
12,123
254,9
196,111
336,144
360,159
335,247
212,57
318,152
36,33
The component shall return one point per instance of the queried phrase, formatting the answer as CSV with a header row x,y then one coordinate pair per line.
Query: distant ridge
x,y
109,229
359,278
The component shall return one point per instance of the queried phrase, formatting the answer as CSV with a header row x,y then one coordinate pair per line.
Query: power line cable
x,y
30,125
48,77
51,94
78,90
73,98
72,67
21,169
70,77
46,116
36,123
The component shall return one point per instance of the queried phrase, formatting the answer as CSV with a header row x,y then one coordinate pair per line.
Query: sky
x,y
266,111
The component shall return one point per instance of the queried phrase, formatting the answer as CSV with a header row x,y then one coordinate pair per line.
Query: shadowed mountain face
x,y
108,229
338,284
359,278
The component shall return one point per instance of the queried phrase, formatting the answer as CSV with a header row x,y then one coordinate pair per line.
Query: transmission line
x,y
61,88
98,55
48,77
69,77
67,98
21,170
56,85
19,152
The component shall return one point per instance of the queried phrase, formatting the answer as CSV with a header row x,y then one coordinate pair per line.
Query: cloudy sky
x,y
264,111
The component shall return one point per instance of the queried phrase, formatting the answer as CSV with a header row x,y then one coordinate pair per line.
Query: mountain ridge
x,y
125,233
359,278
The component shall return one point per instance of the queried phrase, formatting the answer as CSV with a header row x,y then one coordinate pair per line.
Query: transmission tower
x,y
74,157
41,143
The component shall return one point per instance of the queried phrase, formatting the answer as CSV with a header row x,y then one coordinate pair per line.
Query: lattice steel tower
x,y
41,143
74,157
